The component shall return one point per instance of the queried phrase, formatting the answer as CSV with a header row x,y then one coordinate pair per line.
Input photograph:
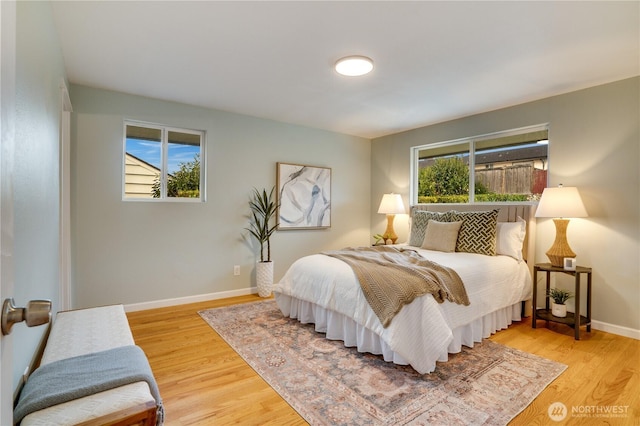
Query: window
x,y
507,166
162,163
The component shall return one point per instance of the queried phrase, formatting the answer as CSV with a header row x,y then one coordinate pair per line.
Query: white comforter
x,y
423,329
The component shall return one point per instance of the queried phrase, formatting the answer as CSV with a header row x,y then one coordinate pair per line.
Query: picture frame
x,y
304,196
569,264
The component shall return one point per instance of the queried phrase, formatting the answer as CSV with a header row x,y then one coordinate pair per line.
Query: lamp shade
x,y
391,204
563,201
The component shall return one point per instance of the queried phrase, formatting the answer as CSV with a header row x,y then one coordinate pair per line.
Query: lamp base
x,y
560,248
389,233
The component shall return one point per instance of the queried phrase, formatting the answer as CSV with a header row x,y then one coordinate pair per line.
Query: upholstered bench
x,y
87,333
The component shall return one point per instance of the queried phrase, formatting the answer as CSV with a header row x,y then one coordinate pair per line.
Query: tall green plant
x,y
263,207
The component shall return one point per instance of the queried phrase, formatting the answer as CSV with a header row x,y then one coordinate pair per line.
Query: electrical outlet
x,y
236,269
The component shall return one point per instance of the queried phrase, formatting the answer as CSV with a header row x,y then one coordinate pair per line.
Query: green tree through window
x,y
447,176
498,167
447,180
184,183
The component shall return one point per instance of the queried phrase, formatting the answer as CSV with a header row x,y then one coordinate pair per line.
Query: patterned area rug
x,y
327,383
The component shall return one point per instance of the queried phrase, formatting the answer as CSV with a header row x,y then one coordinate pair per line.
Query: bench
x,y
89,331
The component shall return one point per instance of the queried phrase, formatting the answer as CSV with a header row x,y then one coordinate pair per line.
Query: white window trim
x,y
164,161
415,155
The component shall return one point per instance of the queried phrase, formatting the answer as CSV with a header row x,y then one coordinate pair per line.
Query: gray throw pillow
x,y
419,220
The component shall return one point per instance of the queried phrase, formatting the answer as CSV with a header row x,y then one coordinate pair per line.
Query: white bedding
x,y
323,290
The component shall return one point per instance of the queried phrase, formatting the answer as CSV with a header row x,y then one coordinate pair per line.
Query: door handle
x,y
37,312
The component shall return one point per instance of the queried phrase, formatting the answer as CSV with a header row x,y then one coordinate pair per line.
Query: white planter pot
x,y
558,310
264,278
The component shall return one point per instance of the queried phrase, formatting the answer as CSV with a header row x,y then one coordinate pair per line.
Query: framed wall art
x,y
304,195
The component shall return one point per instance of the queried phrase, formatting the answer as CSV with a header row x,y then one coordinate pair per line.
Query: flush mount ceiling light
x,y
354,66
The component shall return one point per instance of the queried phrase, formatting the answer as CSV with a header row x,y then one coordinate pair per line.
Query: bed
x,y
323,290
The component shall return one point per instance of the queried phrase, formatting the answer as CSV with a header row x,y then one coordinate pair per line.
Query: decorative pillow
x,y
419,220
510,238
478,231
441,236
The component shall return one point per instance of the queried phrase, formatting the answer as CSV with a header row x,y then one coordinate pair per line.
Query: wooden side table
x,y
574,320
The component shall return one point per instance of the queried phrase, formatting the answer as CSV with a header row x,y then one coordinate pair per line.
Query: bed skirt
x,y
337,326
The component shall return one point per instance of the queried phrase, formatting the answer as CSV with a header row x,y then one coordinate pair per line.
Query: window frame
x,y
471,142
164,160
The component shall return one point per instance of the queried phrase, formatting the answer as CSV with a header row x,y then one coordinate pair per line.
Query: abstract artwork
x,y
304,194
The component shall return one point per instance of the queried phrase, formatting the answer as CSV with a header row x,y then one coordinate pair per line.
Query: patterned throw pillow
x,y
478,231
419,220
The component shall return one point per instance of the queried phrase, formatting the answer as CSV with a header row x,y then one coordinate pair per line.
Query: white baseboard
x,y
616,329
188,299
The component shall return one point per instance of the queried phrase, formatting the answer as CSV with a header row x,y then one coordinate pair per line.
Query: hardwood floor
x,y
204,382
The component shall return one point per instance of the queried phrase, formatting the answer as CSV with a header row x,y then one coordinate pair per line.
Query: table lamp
x,y
391,205
560,203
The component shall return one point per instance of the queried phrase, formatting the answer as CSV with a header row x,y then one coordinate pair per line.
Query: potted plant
x,y
263,207
379,240
559,297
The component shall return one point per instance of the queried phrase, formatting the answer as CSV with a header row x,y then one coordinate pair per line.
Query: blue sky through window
x,y
149,151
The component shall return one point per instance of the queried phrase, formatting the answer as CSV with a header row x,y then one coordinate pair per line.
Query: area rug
x,y
330,384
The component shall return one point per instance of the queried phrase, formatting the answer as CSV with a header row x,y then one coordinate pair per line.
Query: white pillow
x,y
441,236
510,238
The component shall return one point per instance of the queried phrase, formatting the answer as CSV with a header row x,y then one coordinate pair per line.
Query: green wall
x,y
594,144
136,252
36,189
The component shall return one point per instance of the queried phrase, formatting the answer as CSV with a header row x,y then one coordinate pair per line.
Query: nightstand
x,y
574,320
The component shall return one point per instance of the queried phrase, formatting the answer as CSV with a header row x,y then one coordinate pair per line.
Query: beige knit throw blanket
x,y
392,277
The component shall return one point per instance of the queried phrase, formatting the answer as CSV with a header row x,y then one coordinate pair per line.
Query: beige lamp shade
x,y
560,203
391,205
563,201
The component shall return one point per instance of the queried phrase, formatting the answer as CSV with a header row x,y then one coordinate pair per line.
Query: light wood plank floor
x,y
204,382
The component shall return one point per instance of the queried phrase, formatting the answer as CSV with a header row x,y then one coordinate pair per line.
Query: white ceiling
x,y
434,61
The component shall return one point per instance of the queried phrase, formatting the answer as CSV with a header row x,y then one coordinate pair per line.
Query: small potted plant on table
x,y
559,297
